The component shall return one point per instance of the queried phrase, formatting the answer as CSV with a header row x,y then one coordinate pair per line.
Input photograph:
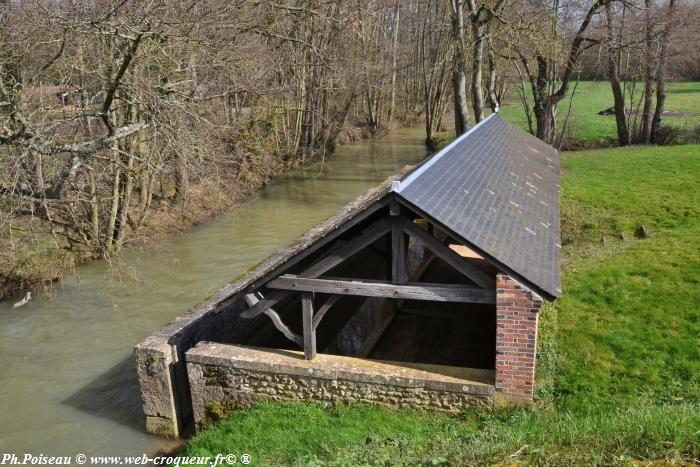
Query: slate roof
x,y
497,187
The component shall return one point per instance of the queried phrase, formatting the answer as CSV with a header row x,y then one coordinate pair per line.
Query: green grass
x,y
591,97
631,315
308,434
619,354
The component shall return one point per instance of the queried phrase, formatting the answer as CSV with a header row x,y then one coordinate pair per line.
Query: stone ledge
x,y
333,367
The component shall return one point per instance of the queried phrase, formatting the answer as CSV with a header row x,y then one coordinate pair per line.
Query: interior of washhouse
x,y
386,329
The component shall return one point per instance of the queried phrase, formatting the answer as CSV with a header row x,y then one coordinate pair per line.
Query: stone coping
x,y
435,377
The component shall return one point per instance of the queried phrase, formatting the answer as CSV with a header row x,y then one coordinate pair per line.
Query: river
x,y
68,384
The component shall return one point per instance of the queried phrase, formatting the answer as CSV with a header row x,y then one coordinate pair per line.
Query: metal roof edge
x,y
399,186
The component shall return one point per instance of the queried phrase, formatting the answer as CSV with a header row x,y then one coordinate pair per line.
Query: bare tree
x,y
534,48
480,18
459,76
661,71
614,57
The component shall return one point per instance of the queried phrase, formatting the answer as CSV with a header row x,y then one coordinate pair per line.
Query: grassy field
x,y
619,357
587,126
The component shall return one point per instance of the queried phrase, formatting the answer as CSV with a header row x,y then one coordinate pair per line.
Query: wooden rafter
x,y
277,321
309,282
449,256
328,262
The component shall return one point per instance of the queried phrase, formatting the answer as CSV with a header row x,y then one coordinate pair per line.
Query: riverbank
x,y
33,256
70,382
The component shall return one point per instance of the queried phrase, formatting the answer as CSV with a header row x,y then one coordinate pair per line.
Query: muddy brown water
x,y
68,384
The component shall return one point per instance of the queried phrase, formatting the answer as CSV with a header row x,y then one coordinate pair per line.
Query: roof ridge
x,y
402,184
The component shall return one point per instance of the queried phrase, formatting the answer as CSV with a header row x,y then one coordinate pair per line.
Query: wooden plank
x,y
330,301
277,321
450,257
328,262
307,307
399,271
432,292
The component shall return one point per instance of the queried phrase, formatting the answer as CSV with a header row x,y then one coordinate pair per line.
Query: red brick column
x,y
516,339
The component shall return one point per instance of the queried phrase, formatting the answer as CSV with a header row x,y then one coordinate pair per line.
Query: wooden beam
x,y
399,269
449,256
330,301
271,300
307,307
277,321
328,262
365,288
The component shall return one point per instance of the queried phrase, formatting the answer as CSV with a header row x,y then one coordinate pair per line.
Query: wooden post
x,y
307,305
399,271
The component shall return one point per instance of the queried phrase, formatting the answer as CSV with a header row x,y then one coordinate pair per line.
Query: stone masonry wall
x,y
516,339
233,377
160,361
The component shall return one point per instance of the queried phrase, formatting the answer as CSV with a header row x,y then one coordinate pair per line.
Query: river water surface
x,y
68,384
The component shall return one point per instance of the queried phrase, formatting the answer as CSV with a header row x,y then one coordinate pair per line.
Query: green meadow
x,y
586,126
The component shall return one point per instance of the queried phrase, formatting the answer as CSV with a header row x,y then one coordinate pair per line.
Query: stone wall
x,y
516,339
233,377
160,360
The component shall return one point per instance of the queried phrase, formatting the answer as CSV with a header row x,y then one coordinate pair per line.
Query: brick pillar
x,y
516,339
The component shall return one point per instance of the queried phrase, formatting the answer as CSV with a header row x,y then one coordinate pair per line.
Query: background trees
x,y
111,111
642,39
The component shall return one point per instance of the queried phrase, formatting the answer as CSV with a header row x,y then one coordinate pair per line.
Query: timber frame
x,y
400,226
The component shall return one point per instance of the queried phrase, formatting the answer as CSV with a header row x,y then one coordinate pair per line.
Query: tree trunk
x,y
145,196
545,102
182,183
124,205
112,222
645,128
661,74
94,211
39,173
493,97
116,182
544,105
544,118
477,93
394,62
623,136
459,77
523,98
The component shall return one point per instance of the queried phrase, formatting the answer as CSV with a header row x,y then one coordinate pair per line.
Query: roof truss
x,y
400,227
